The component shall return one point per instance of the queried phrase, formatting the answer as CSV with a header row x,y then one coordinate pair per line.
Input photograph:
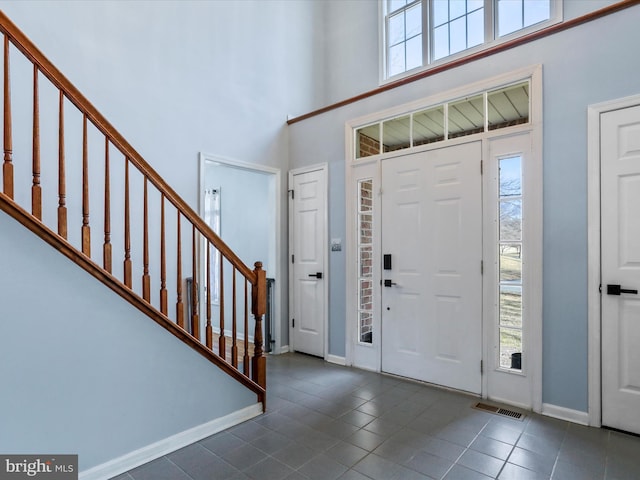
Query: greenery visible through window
x,y
420,32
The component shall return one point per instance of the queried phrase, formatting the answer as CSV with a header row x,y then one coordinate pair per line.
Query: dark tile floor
x,y
326,422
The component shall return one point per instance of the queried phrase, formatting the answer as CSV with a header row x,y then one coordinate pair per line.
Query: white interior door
x,y
432,292
308,244
620,257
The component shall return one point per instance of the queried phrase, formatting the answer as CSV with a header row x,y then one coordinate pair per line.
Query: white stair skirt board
x,y
146,454
568,414
337,360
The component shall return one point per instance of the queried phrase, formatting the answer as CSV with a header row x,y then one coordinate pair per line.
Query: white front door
x,y
308,246
620,269
432,283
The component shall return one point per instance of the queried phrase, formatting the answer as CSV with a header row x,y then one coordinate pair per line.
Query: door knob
x,y
616,290
389,283
316,275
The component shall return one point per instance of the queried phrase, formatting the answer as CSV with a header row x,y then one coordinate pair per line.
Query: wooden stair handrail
x,y
22,43
63,246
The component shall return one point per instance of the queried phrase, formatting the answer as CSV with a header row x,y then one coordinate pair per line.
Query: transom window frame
x,y
491,37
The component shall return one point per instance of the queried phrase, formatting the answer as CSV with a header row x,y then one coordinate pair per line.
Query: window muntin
x,y
510,242
490,110
365,261
420,32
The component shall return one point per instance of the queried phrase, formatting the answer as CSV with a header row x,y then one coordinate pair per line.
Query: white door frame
x,y
205,158
594,270
325,242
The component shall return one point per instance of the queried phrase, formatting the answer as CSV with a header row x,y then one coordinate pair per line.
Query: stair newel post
x,y
259,307
7,167
246,358
62,187
106,248
127,227
36,190
195,316
179,304
86,229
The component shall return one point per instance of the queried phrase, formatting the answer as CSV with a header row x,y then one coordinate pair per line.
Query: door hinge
x,y
481,267
293,322
600,288
292,194
481,167
293,258
481,367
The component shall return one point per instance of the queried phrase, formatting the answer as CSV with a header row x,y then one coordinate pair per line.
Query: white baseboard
x,y
146,454
336,359
567,414
284,349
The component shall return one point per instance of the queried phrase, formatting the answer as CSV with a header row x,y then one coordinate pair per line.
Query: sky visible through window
x,y
422,31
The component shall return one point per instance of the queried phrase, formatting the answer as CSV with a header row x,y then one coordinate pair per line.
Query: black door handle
x,y
616,290
389,283
317,275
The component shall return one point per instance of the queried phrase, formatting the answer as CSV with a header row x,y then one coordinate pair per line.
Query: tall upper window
x,y
421,32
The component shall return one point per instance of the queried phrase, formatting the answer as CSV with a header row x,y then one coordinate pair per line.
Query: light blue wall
x,y
83,372
582,66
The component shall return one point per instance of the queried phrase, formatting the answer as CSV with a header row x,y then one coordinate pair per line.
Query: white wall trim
x,y
325,241
593,249
277,274
146,454
336,359
568,414
284,349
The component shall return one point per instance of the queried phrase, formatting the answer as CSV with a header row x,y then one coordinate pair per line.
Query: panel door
x,y
620,257
432,294
308,250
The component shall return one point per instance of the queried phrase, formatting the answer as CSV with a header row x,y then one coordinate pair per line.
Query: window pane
x,y
475,28
396,29
394,5
440,12
368,139
466,117
457,8
508,106
511,305
536,11
396,134
511,348
511,263
510,175
366,261
510,220
509,16
366,235
396,60
414,21
414,52
428,126
441,42
366,327
458,35
366,195
474,5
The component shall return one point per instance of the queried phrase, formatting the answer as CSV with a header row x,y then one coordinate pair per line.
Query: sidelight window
x,y
365,261
510,261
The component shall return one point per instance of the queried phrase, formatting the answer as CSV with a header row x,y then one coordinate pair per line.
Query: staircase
x,y
82,188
